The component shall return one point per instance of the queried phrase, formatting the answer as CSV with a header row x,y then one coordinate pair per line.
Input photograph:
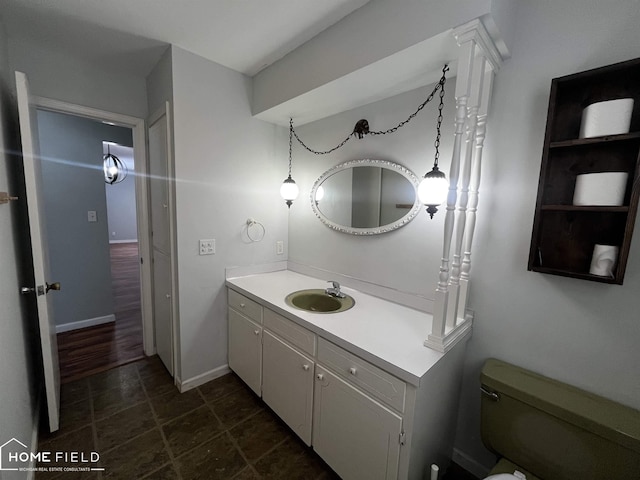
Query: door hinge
x,y
402,438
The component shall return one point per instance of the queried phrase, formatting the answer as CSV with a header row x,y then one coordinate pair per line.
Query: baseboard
x,y
89,322
133,240
203,378
469,464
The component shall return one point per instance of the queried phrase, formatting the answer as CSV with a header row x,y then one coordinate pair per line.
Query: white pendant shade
x,y
289,190
433,188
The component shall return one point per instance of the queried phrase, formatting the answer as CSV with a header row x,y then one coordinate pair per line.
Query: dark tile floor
x,y
142,427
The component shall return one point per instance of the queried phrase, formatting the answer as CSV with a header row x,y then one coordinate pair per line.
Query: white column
x,y
462,96
474,188
475,87
478,55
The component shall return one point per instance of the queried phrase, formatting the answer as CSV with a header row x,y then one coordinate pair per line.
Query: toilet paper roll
x,y
604,260
606,118
605,188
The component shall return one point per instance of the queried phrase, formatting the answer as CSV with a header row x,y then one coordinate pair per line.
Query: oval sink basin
x,y
317,301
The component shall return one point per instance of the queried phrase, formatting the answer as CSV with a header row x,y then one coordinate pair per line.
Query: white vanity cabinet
x,y
386,412
358,437
287,384
245,339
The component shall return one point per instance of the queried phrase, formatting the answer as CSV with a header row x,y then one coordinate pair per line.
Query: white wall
x,y
576,331
406,259
229,167
19,372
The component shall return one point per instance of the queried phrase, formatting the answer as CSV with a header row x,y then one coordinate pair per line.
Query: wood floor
x,y
95,349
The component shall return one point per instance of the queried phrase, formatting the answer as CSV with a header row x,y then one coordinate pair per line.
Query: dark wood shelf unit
x,y
595,140
581,208
572,274
564,235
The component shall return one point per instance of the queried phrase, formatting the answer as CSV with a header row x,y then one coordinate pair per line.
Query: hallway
x,y
92,350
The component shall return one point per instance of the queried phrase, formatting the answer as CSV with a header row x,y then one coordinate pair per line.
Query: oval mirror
x,y
366,197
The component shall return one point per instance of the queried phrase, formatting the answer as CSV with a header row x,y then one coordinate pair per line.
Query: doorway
x,y
120,333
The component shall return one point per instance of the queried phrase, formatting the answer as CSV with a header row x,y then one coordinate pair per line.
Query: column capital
x,y
475,31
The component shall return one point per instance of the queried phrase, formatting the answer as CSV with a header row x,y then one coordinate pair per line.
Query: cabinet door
x,y
358,437
245,349
287,384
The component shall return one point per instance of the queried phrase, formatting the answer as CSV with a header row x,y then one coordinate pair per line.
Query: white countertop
x,y
384,333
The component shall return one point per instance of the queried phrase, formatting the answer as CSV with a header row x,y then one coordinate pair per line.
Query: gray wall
x,y
575,331
121,199
160,83
229,167
406,259
53,73
579,332
376,30
73,184
19,366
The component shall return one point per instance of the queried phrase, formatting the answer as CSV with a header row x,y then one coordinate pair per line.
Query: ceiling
x,y
244,35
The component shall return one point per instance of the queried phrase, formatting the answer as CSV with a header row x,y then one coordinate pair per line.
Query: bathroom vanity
x,y
358,386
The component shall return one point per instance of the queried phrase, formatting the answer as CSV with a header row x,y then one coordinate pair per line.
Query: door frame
x,y
137,125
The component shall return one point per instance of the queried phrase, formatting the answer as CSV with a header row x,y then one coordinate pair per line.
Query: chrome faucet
x,y
335,290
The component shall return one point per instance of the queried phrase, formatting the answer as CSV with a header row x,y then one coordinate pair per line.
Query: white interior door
x,y
161,236
162,305
33,180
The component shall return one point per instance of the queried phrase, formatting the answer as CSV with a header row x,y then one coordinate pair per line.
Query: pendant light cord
x,y
439,122
290,143
317,152
439,86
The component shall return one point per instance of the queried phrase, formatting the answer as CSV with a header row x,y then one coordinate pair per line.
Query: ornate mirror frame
x,y
404,171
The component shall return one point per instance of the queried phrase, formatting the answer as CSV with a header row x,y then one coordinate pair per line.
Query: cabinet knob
x,y
320,376
242,305
305,368
352,371
257,332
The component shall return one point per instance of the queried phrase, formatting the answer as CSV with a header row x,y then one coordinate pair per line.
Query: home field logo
x,y
16,456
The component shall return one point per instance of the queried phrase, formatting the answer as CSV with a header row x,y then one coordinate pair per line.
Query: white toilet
x,y
547,430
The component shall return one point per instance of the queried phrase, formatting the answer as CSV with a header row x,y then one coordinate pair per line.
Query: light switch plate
x,y
279,247
208,247
92,216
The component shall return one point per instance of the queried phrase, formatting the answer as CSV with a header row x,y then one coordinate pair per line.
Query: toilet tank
x,y
554,430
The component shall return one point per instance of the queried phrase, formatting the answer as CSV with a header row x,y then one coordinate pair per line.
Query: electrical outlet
x,y
207,247
279,247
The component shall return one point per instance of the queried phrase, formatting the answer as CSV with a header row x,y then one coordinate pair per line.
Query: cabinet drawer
x,y
291,332
370,378
246,306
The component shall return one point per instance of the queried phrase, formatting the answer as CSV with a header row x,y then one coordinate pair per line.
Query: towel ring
x,y
261,230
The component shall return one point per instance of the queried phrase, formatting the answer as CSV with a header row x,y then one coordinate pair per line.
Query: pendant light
x,y
114,169
433,188
289,190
